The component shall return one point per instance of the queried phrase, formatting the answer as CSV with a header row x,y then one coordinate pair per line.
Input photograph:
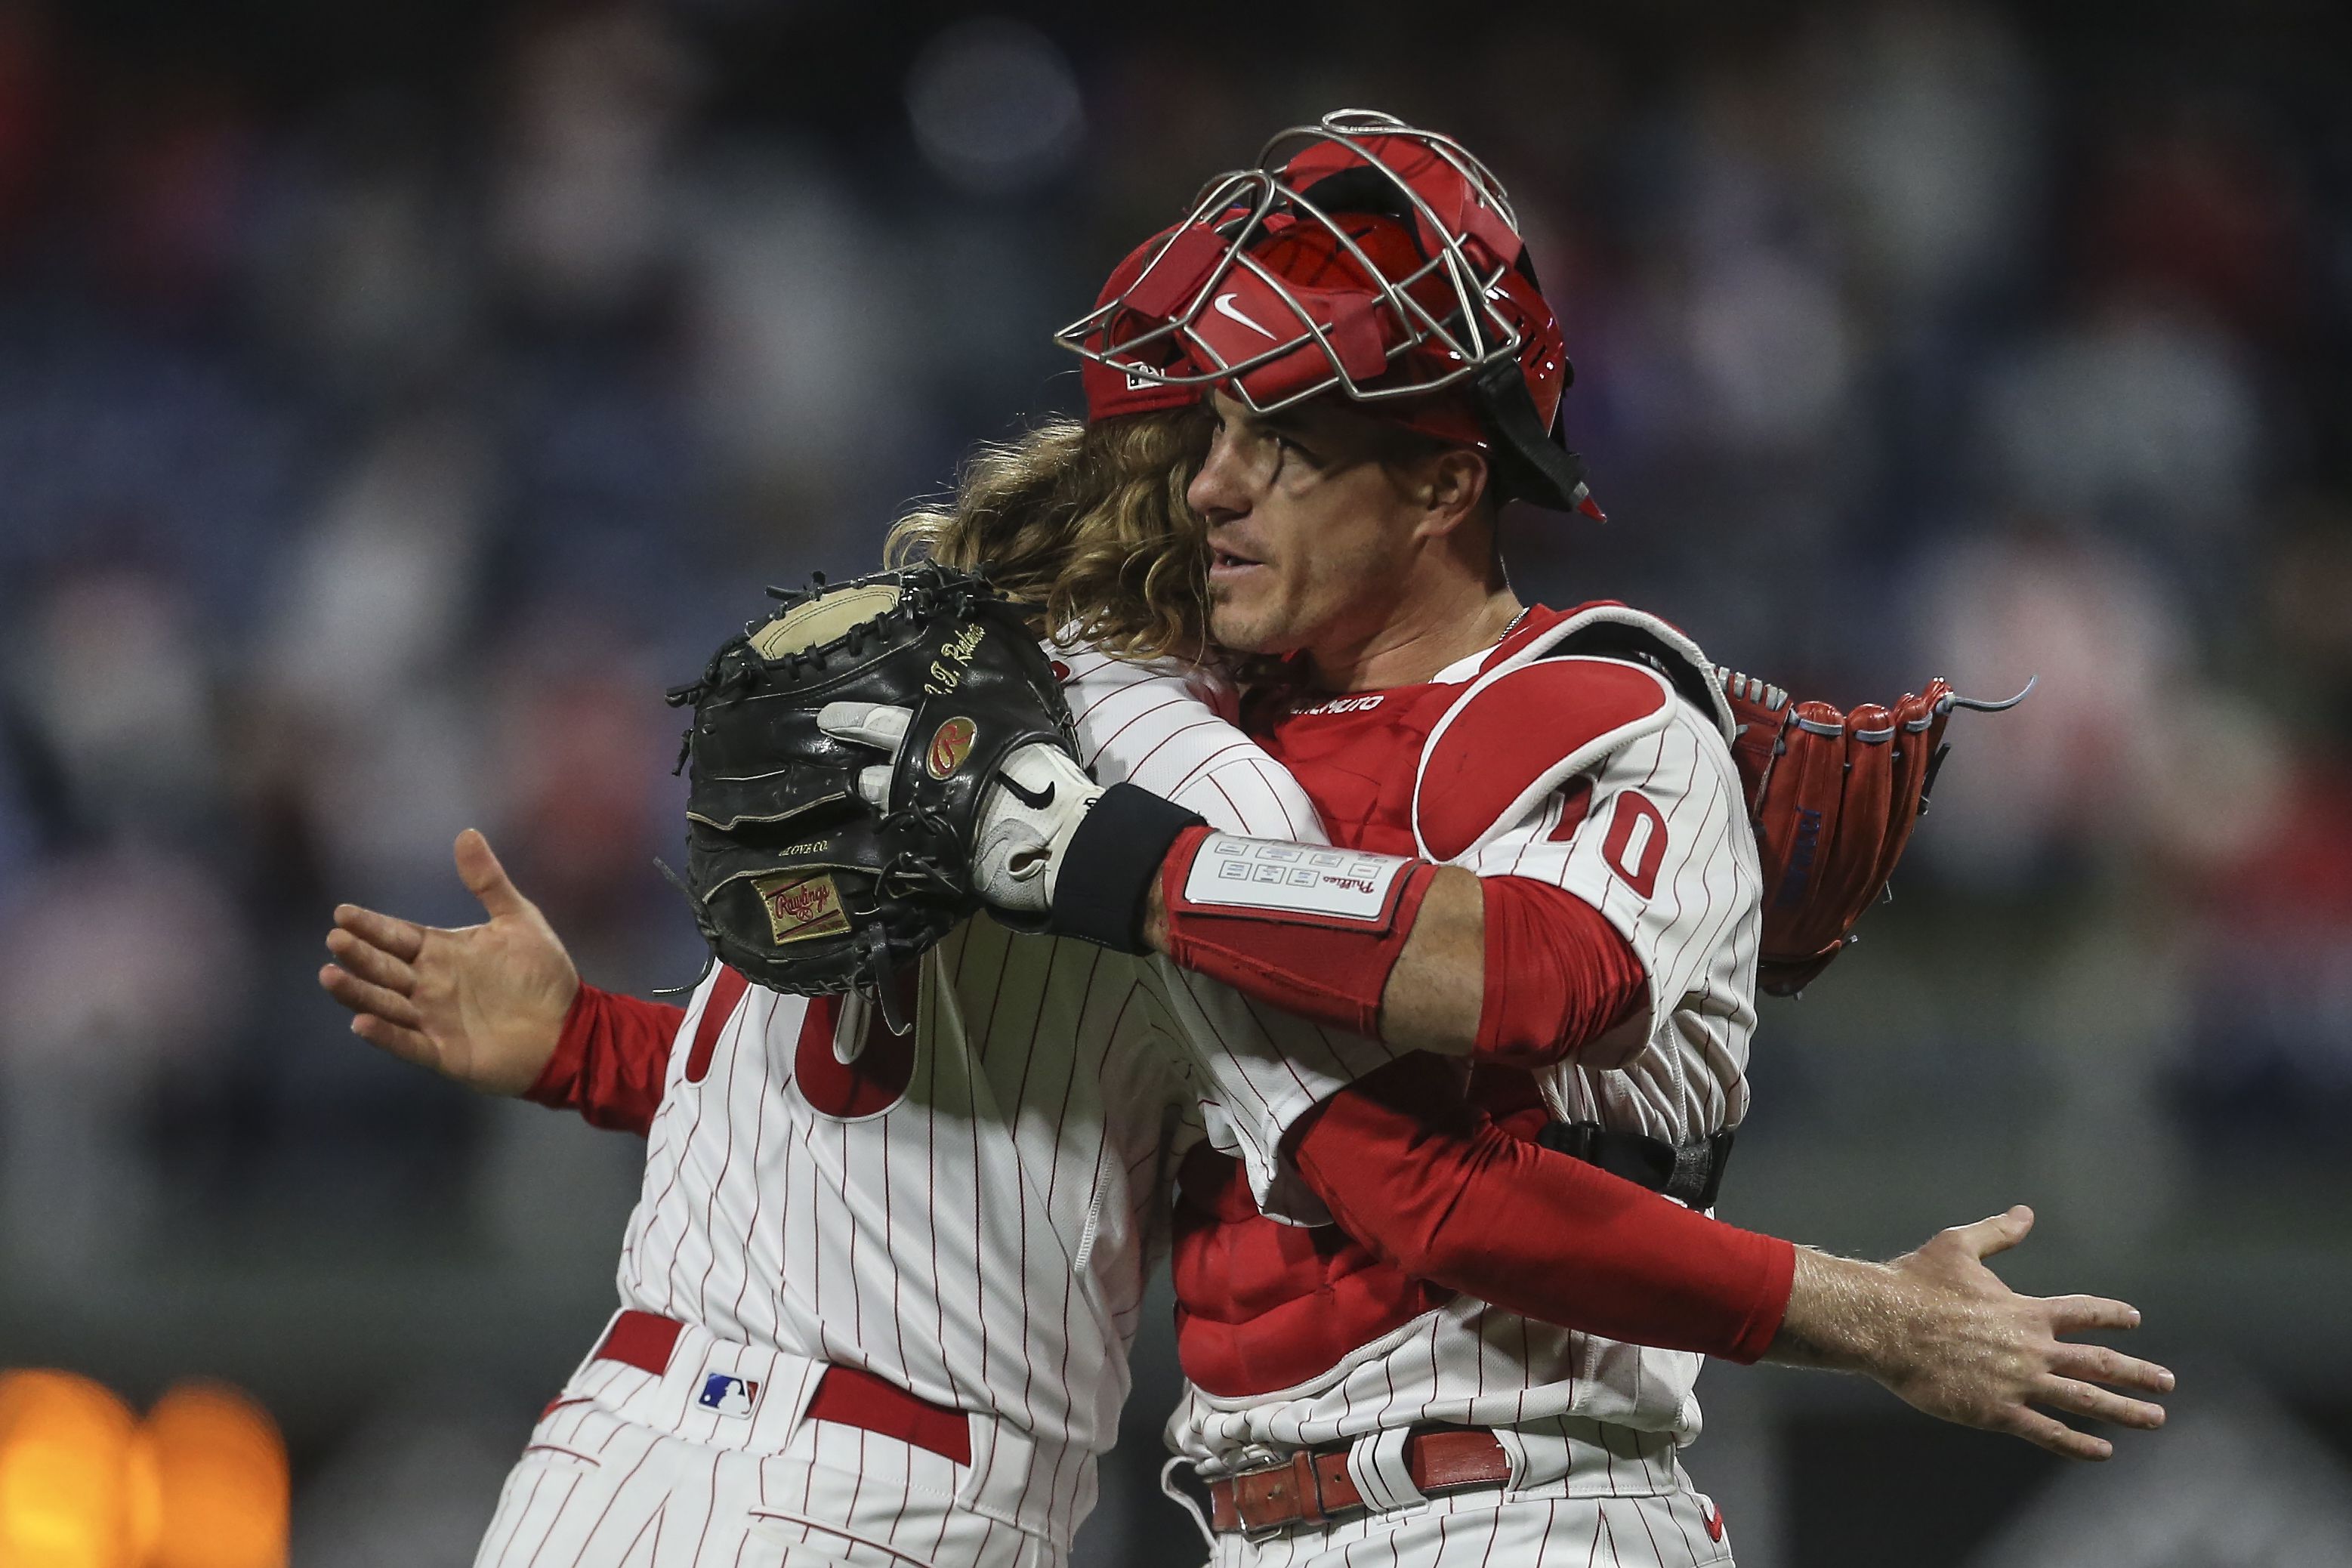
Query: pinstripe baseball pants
x,y
1487,1529
1483,1529
595,1490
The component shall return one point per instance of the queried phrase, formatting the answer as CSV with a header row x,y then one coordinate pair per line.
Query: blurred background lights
x,y
73,1492
995,106
84,1484
220,1468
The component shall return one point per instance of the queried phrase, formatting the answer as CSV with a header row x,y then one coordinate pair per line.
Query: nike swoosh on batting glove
x,y
1027,818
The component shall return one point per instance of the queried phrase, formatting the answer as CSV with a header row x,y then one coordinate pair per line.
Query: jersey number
x,y
869,1084
1636,843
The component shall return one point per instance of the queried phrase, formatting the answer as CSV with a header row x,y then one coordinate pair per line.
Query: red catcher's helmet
x,y
1377,260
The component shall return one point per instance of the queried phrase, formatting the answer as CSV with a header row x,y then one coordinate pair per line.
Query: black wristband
x,y
1105,887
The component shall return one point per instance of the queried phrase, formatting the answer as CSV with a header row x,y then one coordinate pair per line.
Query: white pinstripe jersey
x,y
1695,933
970,1211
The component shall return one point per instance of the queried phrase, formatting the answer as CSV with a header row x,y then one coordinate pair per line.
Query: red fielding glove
x,y
1834,798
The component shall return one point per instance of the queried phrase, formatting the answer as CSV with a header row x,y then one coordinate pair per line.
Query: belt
x,y
1689,1173
1313,1485
848,1394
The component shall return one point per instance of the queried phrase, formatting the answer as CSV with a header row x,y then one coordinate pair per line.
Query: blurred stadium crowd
x,y
393,401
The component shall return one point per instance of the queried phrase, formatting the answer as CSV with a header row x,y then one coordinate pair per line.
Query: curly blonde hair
x,y
1090,522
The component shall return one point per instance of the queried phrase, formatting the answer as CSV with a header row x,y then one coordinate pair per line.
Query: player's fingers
x,y
1997,1233
478,868
874,784
371,962
877,724
362,997
2081,1314
406,1044
2079,1398
2045,1432
402,939
2100,1364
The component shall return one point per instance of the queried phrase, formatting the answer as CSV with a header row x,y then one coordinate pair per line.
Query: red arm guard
x,y
611,1061
1558,974
1330,967
1433,1186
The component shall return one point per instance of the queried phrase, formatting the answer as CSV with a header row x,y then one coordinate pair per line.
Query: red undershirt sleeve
x,y
1431,1183
611,1061
1558,974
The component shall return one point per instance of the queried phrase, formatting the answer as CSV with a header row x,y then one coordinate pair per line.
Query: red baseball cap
x,y
1111,391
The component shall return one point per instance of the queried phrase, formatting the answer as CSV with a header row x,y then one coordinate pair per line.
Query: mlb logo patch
x,y
728,1395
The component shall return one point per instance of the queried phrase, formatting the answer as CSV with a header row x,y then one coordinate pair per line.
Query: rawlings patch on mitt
x,y
794,879
1834,798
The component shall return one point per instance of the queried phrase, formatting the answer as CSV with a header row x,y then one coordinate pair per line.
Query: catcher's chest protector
x,y
1354,756
1358,753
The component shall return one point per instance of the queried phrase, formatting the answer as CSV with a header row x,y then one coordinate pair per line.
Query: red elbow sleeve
x,y
1558,974
611,1061
1430,1183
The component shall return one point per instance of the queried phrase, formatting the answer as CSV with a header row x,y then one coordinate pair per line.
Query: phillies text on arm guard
x,y
1313,928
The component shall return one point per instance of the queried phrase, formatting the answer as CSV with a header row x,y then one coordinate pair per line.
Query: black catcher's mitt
x,y
795,880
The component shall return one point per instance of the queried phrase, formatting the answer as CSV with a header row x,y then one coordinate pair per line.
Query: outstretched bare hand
x,y
481,1004
1945,1335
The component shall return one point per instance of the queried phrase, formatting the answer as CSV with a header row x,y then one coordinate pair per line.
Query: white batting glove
x,y
1027,817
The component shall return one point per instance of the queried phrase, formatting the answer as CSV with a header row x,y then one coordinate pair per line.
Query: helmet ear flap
x,y
1529,464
